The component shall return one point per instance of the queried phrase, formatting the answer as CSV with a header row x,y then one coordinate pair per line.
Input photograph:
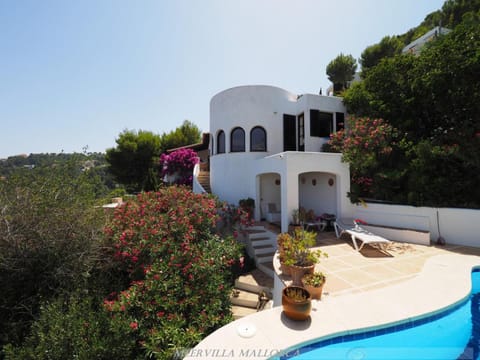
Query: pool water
x,y
453,334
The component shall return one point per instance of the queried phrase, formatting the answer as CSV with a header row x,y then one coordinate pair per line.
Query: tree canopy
x,y
389,46
133,162
433,101
340,71
186,134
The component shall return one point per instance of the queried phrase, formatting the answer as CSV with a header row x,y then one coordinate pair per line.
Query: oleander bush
x,y
180,271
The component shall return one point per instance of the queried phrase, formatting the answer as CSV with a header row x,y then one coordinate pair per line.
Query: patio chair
x,y
319,224
273,215
366,237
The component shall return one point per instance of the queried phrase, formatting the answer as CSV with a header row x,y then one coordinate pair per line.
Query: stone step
x,y
261,241
267,268
253,288
241,311
265,257
258,278
244,298
255,229
263,249
258,235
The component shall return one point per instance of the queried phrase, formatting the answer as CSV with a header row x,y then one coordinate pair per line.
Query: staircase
x,y
261,245
253,292
204,180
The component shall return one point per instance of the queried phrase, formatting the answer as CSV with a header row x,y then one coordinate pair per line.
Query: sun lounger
x,y
366,237
341,225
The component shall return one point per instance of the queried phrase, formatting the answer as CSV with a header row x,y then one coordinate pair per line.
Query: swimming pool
x,y
450,335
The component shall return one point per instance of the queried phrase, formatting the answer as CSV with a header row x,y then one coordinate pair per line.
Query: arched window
x,y
221,142
237,140
258,139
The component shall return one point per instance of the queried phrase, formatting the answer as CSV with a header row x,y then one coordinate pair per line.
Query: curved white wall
x,y
250,106
232,175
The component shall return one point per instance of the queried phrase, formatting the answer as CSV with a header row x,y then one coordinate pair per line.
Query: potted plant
x,y
296,302
314,284
300,257
284,242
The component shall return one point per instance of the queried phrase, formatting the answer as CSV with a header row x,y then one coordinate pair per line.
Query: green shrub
x,y
180,271
76,328
50,241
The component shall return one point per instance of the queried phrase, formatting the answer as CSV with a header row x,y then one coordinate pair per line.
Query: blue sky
x,y
78,73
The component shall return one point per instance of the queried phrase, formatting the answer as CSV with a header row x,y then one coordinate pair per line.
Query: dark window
x,y
258,139
339,121
301,132
221,142
289,136
321,123
237,140
212,145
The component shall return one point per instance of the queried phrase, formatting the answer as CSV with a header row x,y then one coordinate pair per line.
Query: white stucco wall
x,y
260,105
310,193
457,226
250,106
231,176
329,104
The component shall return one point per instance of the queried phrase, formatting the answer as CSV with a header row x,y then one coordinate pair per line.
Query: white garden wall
x,y
457,226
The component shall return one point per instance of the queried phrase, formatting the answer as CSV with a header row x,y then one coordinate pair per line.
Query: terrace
x,y
364,290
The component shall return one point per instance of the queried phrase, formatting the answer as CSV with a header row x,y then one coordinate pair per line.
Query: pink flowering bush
x,y
180,164
365,144
233,218
180,271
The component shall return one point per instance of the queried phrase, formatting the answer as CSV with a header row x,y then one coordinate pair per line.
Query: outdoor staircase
x,y
261,246
204,180
253,292
250,296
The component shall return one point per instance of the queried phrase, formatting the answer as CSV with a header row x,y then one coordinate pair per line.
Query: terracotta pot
x,y
296,309
286,270
316,292
297,272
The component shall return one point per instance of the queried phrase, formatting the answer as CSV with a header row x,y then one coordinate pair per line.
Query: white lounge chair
x,y
358,233
341,225
367,237
273,215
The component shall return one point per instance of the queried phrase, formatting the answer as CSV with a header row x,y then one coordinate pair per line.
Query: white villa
x,y
266,145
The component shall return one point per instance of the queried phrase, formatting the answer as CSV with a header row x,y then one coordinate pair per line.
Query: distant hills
x,y
24,161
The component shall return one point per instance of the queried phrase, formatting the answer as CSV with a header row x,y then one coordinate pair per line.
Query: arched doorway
x,y
269,193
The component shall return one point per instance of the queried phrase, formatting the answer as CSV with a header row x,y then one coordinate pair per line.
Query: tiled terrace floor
x,y
350,271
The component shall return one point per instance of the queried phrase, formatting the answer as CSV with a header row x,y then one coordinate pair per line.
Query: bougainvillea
x,y
179,165
180,271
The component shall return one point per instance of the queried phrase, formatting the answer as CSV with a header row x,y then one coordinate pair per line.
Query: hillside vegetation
x,y
430,105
